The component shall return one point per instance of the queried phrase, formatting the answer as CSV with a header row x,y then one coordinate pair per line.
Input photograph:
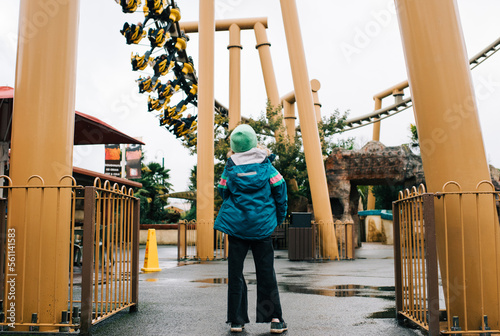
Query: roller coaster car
x,y
174,15
145,84
173,87
155,6
133,33
188,68
171,112
163,121
154,104
191,139
157,37
194,89
140,62
161,65
164,91
180,108
180,43
129,6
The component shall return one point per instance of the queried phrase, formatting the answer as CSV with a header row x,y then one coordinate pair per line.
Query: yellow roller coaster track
x,y
406,103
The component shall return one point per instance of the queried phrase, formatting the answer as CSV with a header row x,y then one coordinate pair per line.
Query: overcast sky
x,y
352,47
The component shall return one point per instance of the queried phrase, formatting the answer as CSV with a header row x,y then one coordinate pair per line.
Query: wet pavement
x,y
318,298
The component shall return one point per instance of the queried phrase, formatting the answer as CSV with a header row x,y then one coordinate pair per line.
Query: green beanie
x,y
243,138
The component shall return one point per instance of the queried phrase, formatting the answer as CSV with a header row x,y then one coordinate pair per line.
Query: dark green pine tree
x,y
155,184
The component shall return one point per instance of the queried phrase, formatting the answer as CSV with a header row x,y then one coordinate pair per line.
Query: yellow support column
x,y
205,148
263,46
376,125
315,86
234,76
289,117
370,202
309,129
42,144
452,148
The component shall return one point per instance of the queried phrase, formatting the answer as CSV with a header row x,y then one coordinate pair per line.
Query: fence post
x,y
181,240
226,246
397,260
87,259
431,264
135,255
350,240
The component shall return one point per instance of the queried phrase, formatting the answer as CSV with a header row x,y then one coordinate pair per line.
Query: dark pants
x,y
268,300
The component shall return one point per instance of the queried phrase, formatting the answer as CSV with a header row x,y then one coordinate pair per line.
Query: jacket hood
x,y
254,155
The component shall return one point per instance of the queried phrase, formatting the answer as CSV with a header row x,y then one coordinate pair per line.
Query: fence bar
x,y
431,264
423,243
463,258
412,260
396,209
135,256
181,241
87,259
350,241
226,246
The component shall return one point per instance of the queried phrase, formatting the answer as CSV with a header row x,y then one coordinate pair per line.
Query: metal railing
x,y
186,242
103,251
415,259
416,262
344,235
186,246
110,268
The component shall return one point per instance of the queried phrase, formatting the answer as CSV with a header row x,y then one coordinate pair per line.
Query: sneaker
x,y
237,327
278,327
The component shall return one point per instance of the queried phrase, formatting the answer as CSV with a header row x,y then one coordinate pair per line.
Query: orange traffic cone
x,y
151,256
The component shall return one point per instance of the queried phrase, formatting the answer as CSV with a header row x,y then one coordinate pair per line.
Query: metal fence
x,y
415,259
103,252
186,238
416,263
110,268
344,235
312,248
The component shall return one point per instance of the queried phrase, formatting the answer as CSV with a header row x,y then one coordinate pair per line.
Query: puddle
x,y
386,293
388,313
383,292
151,280
213,281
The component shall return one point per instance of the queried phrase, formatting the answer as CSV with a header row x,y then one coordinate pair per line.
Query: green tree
x,y
385,195
414,143
155,183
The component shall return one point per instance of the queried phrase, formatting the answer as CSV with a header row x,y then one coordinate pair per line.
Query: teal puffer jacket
x,y
254,197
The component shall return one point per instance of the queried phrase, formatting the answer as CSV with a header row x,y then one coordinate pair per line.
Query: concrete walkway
x,y
318,298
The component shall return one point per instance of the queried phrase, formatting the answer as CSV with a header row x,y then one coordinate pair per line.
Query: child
x,y
254,203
